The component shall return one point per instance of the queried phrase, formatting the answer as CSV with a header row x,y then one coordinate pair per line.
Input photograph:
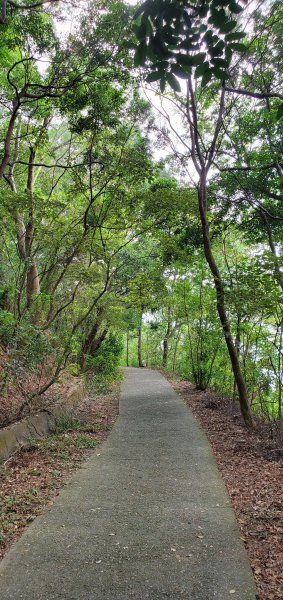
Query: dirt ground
x,y
34,475
252,468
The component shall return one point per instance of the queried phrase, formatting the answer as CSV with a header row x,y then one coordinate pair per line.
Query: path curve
x,y
148,517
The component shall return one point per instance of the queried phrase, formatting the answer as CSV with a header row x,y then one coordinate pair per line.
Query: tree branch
x,y
259,95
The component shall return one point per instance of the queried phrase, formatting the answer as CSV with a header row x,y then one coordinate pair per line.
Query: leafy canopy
x,y
176,35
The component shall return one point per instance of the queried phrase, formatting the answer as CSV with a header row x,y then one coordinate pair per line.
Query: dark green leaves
x,y
235,8
238,47
234,37
201,34
154,76
228,26
181,72
173,82
140,55
207,77
201,69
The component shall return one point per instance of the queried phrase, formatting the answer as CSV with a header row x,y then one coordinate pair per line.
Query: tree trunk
x,y
9,134
32,285
175,350
165,353
237,347
92,342
32,281
166,340
140,344
278,272
219,287
127,349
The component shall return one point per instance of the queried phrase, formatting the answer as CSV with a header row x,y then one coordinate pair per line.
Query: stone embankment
x,y
71,390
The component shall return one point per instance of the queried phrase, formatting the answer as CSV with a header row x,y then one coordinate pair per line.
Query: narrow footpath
x,y
148,517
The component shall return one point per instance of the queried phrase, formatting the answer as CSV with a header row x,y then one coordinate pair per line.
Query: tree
x,y
205,142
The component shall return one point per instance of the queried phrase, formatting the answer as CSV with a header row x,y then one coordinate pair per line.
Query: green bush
x,y
26,343
106,362
7,327
74,369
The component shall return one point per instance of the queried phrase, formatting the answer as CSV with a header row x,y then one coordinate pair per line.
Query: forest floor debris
x,y
34,475
251,464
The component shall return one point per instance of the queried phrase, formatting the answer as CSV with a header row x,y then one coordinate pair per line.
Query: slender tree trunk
x,y
219,286
140,344
166,340
280,353
127,348
277,270
175,350
165,352
9,134
19,219
32,282
93,340
237,346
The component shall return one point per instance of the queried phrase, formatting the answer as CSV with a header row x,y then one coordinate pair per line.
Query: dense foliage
x,y
104,244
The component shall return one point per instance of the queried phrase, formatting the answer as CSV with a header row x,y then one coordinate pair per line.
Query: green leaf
x,y
140,55
149,26
154,76
206,78
238,35
141,32
217,49
220,74
229,26
187,19
129,45
220,2
145,5
221,62
235,8
172,12
218,17
201,69
238,47
204,10
162,84
173,82
150,54
208,36
228,54
198,58
161,65
280,111
181,72
157,46
184,59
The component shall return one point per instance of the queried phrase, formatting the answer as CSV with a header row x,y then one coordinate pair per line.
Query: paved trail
x,y
147,518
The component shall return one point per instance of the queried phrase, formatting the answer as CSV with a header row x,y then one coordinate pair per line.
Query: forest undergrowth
x,y
251,464
32,477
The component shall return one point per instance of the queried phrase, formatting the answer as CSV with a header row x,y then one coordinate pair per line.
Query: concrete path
x,y
147,518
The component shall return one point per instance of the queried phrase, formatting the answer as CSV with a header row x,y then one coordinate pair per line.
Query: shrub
x,y
24,341
105,363
74,369
7,327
